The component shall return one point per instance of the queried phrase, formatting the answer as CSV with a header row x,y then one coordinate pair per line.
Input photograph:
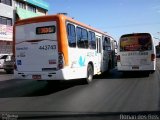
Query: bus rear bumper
x,y
63,74
147,68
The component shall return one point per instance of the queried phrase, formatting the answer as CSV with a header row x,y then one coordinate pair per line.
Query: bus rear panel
x,y
136,53
36,46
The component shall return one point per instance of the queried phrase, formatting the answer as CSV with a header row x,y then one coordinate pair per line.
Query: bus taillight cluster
x,y
60,61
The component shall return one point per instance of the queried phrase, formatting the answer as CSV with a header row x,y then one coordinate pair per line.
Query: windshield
x,y
136,42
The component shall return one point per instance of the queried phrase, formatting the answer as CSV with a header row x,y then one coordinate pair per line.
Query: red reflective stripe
x,y
52,61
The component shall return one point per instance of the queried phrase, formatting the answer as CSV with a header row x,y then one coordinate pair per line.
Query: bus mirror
x,y
115,44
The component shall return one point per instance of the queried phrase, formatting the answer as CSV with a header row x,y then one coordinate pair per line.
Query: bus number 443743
x,y
47,47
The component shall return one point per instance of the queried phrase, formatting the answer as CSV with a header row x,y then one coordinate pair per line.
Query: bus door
x,y
99,53
106,53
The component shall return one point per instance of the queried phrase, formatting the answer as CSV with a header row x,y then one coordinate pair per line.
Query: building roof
x,y
39,3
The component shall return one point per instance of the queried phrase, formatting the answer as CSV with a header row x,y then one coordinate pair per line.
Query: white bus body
x,y
136,52
50,56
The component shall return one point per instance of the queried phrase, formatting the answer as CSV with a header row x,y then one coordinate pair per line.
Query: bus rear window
x,y
135,42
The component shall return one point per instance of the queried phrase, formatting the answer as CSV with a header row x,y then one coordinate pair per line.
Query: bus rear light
x,y
118,58
60,66
60,56
60,61
153,57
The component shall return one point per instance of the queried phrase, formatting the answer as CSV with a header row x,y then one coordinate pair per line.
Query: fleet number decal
x,y
47,47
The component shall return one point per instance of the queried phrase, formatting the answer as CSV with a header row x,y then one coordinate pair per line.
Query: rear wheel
x,y
152,71
89,73
9,71
109,66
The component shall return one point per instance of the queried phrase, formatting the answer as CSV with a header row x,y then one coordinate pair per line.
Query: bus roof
x,y
135,34
57,17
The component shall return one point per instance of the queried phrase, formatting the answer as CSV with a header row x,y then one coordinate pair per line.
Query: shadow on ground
x,y
114,74
30,88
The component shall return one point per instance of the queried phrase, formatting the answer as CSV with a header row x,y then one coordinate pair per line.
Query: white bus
x,y
57,47
136,52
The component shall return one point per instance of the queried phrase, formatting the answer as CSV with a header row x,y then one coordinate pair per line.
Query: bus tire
x,y
109,67
89,73
9,71
152,71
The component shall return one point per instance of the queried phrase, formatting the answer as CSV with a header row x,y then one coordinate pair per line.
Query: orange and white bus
x,y
136,53
57,47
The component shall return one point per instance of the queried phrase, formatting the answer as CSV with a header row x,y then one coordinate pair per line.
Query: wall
x,y
6,10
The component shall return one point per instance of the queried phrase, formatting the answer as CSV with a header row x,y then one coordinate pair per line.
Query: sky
x,y
116,17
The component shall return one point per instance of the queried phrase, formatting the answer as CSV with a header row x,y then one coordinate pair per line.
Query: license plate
x,y
36,77
135,67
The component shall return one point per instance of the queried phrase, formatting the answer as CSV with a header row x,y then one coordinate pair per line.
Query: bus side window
x,y
100,47
71,35
85,38
107,44
91,40
98,44
82,37
103,44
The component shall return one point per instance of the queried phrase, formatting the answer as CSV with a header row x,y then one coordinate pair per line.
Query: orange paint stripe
x,y
63,39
